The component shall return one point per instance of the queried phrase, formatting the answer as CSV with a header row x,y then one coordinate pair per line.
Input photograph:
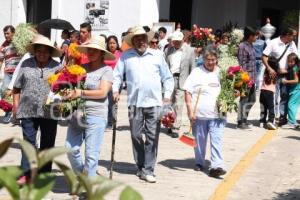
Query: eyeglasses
x,y
156,42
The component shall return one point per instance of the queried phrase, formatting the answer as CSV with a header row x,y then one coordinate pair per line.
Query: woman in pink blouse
x,y
114,48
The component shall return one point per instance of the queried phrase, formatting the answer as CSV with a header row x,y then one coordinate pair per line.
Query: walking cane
x,y
114,127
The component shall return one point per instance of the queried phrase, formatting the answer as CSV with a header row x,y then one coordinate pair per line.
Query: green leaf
x,y
4,145
130,194
42,184
48,155
8,176
30,153
70,176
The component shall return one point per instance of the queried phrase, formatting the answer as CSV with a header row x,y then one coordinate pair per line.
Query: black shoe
x,y
282,121
198,167
216,173
172,134
244,126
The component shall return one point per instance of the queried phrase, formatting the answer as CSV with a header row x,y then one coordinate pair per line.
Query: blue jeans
x,y
92,134
5,82
260,70
281,108
215,129
48,129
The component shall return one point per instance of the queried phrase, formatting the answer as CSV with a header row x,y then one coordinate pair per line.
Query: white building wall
x,y
12,12
122,15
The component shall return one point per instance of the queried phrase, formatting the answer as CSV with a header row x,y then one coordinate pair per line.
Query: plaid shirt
x,y
8,53
246,58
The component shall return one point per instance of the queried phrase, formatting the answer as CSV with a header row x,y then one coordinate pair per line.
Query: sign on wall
x,y
96,13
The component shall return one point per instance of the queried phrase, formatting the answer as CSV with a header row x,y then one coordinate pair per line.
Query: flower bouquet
x,y
5,106
235,82
24,34
71,77
201,37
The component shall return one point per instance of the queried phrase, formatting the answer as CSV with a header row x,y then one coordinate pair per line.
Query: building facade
x,y
115,16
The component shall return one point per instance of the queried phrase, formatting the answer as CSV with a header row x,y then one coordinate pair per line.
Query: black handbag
x,y
274,62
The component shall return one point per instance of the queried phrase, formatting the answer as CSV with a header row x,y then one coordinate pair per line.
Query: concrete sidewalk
x,y
176,178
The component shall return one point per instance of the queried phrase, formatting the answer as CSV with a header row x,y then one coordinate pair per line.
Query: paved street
x,y
273,174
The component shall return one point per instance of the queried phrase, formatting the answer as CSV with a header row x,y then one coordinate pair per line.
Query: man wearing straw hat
x,y
146,71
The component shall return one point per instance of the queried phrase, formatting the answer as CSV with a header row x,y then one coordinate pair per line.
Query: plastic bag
x,y
168,116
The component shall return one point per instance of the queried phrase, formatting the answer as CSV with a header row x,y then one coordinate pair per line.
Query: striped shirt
x,y
8,53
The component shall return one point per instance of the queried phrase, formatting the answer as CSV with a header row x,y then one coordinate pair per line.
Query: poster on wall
x,y
96,13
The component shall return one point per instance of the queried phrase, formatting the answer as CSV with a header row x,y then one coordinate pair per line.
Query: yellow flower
x,y
76,70
245,77
238,84
73,52
52,78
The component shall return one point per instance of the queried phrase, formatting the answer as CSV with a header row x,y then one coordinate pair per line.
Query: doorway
x,y
181,12
38,11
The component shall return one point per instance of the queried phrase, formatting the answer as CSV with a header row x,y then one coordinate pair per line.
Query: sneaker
x,y
7,117
198,167
22,180
282,121
244,126
139,173
148,178
288,126
216,173
172,134
249,124
271,126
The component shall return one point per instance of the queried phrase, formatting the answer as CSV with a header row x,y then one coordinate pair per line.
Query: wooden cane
x,y
114,127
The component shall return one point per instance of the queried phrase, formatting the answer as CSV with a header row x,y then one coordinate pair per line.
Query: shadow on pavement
x,y
291,194
295,138
119,167
61,186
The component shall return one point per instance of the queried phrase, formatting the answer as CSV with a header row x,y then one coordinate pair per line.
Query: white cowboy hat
x,y
137,30
42,40
97,42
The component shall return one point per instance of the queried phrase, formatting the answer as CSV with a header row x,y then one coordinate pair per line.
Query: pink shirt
x,y
112,63
270,87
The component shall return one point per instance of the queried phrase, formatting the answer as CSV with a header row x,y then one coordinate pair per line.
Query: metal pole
x,y
114,123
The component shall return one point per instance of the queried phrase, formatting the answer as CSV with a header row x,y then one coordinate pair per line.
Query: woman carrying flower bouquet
x,y
30,90
91,127
204,115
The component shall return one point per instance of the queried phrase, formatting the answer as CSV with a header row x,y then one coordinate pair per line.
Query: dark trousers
x,y
144,120
48,128
267,107
246,104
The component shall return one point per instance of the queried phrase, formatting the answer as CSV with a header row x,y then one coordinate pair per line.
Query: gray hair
x,y
210,50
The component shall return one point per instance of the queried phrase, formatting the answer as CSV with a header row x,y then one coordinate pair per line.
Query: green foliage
x,y
40,184
226,100
291,19
23,36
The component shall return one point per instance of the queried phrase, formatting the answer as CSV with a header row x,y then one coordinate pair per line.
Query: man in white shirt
x,y
181,60
162,31
276,48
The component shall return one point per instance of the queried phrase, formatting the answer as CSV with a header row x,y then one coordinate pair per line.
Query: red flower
x,y
234,69
5,106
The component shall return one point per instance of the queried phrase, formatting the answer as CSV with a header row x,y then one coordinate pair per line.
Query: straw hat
x,y
97,42
137,30
40,39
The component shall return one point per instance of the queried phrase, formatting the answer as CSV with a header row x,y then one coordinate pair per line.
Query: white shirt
x,y
209,83
162,43
276,47
175,59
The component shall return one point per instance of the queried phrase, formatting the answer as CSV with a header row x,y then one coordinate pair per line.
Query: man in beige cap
x,y
146,71
181,60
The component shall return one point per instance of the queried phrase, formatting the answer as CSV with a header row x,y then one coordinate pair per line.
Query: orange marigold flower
x,y
76,70
52,78
73,52
245,77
